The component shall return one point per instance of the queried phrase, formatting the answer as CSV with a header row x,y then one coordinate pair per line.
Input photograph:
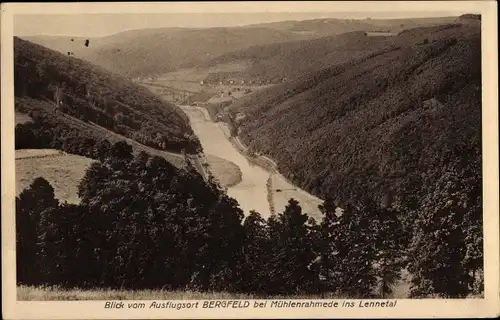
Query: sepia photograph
x,y
199,160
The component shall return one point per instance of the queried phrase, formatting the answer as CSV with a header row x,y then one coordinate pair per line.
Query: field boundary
x,y
174,158
55,155
259,160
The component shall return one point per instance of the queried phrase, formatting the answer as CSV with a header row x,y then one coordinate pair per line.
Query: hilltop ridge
x,y
153,51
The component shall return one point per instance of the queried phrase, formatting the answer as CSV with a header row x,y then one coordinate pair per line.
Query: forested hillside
x,y
149,52
279,62
389,124
289,60
155,51
401,127
81,90
327,26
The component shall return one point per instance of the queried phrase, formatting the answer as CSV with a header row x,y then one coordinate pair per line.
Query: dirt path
x,y
38,153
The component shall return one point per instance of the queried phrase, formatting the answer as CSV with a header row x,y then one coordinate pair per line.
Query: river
x,y
251,193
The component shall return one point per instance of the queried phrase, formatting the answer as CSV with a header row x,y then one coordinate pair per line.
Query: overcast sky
x,y
95,25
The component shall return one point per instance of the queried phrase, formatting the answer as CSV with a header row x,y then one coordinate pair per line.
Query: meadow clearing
x,y
22,118
30,293
54,293
63,171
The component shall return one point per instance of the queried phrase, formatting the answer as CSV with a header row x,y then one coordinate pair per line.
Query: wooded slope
x,y
92,94
388,125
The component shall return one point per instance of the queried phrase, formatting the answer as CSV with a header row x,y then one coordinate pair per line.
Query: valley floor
x,y
262,188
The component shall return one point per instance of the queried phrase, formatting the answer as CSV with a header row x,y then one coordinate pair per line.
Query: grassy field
x,y
226,172
36,153
22,118
63,171
198,74
29,293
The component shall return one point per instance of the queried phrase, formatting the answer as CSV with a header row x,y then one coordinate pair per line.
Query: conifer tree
x,y
293,254
51,246
256,254
328,237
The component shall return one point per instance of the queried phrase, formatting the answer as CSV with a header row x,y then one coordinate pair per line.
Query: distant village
x,y
213,80
215,88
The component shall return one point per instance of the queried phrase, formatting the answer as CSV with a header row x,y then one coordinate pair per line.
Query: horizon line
x,y
367,18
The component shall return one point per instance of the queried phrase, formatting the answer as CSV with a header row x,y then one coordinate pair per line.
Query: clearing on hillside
x,y
63,171
22,118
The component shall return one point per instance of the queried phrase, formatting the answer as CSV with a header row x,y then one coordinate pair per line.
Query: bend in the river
x,y
252,192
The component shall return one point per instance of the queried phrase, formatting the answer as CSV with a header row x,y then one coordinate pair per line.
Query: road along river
x,y
252,192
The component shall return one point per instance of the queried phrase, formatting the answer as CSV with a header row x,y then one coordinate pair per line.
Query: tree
x,y
24,136
119,155
217,259
92,183
51,240
359,245
30,205
354,243
256,254
57,92
326,246
440,243
292,256
391,243
102,149
76,227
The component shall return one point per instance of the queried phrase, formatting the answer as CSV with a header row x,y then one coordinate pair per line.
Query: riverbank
x,y
227,173
269,187
251,192
262,187
256,159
